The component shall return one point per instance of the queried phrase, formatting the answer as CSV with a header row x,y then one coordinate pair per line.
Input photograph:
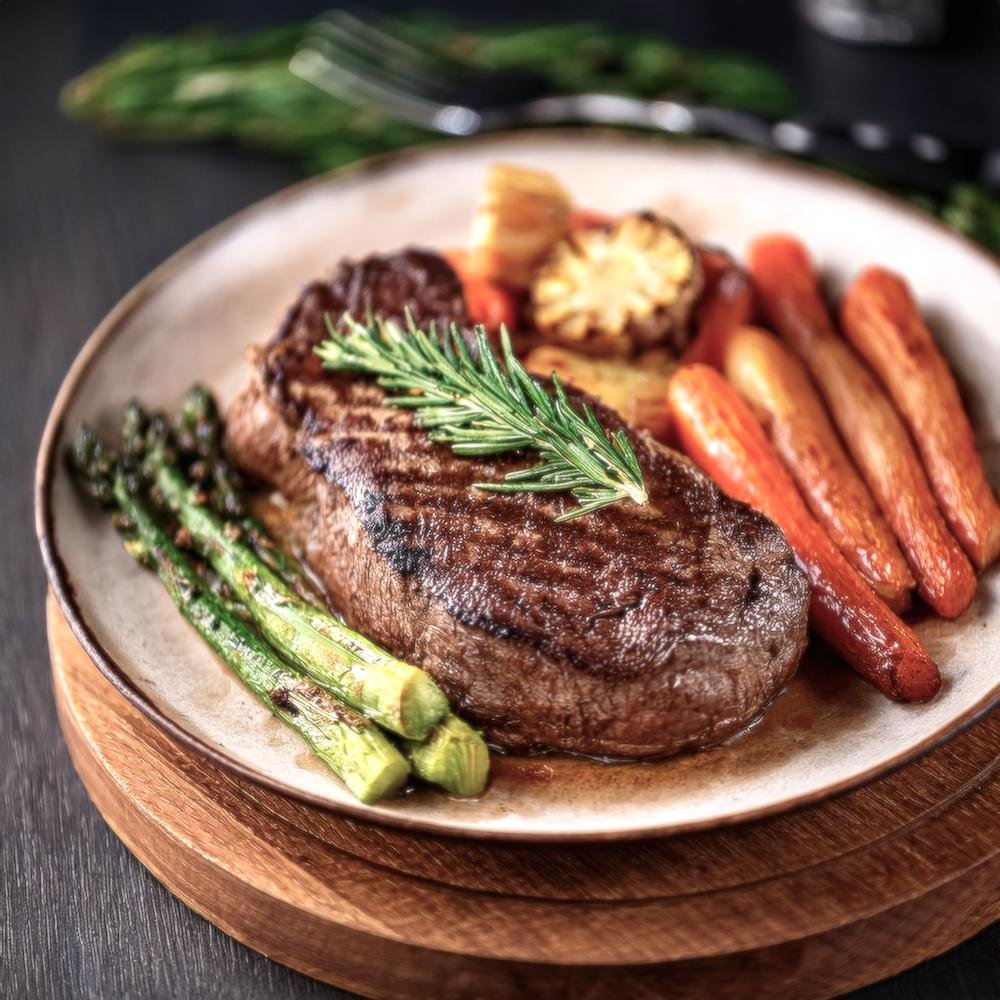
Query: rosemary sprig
x,y
479,406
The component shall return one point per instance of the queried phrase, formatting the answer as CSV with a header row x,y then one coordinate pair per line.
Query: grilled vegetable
x,y
615,289
636,390
349,745
868,422
521,214
882,321
718,431
782,395
489,303
727,302
198,433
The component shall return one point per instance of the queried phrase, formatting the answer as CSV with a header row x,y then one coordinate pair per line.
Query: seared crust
x,y
418,280
632,631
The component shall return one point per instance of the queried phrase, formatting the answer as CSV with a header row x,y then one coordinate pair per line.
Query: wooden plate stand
x,y
810,904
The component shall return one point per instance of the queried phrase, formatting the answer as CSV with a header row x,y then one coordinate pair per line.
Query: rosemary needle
x,y
484,406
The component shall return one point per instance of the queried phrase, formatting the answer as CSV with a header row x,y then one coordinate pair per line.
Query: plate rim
x,y
63,589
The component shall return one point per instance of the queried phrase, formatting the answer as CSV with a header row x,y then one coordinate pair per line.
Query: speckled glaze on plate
x,y
192,318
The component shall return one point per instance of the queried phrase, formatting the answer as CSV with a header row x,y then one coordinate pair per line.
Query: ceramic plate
x,y
194,316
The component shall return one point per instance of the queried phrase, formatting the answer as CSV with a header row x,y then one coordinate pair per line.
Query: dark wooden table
x,y
80,222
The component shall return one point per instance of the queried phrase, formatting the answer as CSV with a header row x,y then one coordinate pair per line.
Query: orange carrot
x,y
868,422
881,320
719,432
782,395
727,302
488,303
714,264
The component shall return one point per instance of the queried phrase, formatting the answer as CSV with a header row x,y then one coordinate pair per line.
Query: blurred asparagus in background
x,y
202,84
971,210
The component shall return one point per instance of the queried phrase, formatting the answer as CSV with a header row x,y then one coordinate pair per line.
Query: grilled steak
x,y
633,631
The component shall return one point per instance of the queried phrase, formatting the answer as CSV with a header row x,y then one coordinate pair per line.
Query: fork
x,y
357,56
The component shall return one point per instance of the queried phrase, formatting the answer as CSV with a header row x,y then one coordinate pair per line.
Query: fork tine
x,y
345,56
337,70
349,56
369,26
388,56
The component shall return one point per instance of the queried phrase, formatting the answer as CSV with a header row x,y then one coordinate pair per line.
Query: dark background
x,y
82,220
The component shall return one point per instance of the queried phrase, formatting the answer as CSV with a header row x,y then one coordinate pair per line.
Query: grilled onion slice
x,y
616,289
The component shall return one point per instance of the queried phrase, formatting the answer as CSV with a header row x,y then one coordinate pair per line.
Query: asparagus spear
x,y
453,756
140,433
352,747
197,432
397,695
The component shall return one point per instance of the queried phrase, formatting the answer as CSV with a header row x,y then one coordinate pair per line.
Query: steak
x,y
632,631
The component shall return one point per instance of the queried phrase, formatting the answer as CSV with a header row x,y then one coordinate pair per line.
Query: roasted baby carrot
x,y
882,321
783,397
871,428
488,303
719,432
727,302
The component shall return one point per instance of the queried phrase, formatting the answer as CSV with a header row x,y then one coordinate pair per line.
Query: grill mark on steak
x,y
632,631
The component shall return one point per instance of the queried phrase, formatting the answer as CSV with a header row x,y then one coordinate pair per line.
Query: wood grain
x,y
807,905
